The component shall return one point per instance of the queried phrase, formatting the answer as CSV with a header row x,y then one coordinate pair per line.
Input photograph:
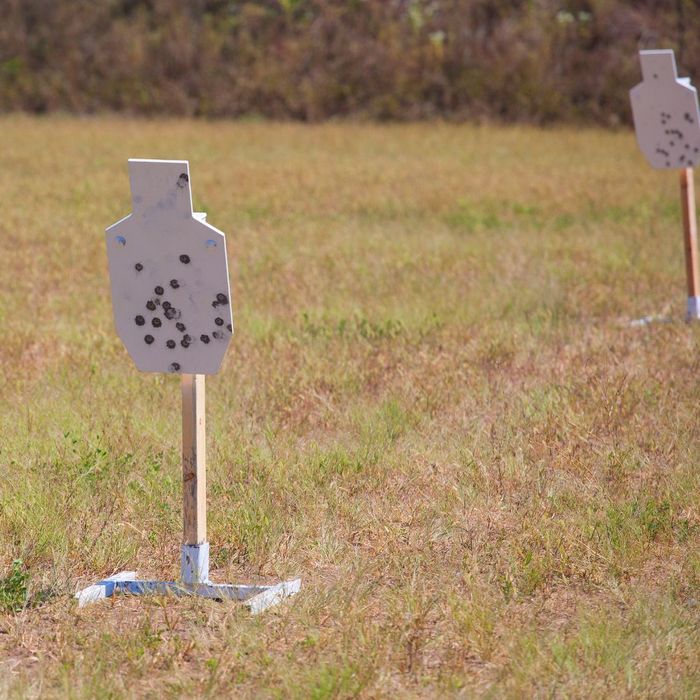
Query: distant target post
x,y
667,125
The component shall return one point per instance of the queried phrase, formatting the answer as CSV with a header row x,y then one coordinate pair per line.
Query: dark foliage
x,y
516,60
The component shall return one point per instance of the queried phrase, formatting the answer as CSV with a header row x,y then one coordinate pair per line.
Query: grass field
x,y
434,410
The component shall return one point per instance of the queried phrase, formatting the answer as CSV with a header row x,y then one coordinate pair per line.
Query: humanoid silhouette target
x,y
169,275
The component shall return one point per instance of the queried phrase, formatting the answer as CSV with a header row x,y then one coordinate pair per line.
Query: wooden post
x,y
171,247
690,236
194,480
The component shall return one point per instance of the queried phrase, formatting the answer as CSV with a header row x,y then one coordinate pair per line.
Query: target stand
x,y
169,277
194,559
667,126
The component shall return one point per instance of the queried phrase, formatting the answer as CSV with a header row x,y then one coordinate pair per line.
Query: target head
x,y
666,115
169,275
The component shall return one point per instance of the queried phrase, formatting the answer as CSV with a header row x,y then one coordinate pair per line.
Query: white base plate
x,y
255,598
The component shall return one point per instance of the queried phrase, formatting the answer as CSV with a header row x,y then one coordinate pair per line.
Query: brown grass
x,y
434,410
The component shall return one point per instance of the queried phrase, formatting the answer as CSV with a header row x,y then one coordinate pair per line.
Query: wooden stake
x,y
194,480
690,232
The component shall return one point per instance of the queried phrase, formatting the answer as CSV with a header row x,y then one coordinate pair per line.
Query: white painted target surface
x,y
169,275
666,115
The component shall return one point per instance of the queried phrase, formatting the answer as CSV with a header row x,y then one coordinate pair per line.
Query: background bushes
x,y
511,60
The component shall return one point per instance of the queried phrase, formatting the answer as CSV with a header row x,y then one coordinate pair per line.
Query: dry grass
x,y
434,411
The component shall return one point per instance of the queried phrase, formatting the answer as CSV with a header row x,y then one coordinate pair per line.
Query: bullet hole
x,y
671,143
171,313
170,344
656,75
218,335
219,321
174,284
204,338
222,298
156,323
230,328
668,165
149,339
183,180
120,239
139,320
215,304
184,259
159,290
166,305
185,343
175,367
138,267
150,305
180,326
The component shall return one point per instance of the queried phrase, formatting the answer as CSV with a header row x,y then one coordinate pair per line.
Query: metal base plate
x,y
692,313
255,598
